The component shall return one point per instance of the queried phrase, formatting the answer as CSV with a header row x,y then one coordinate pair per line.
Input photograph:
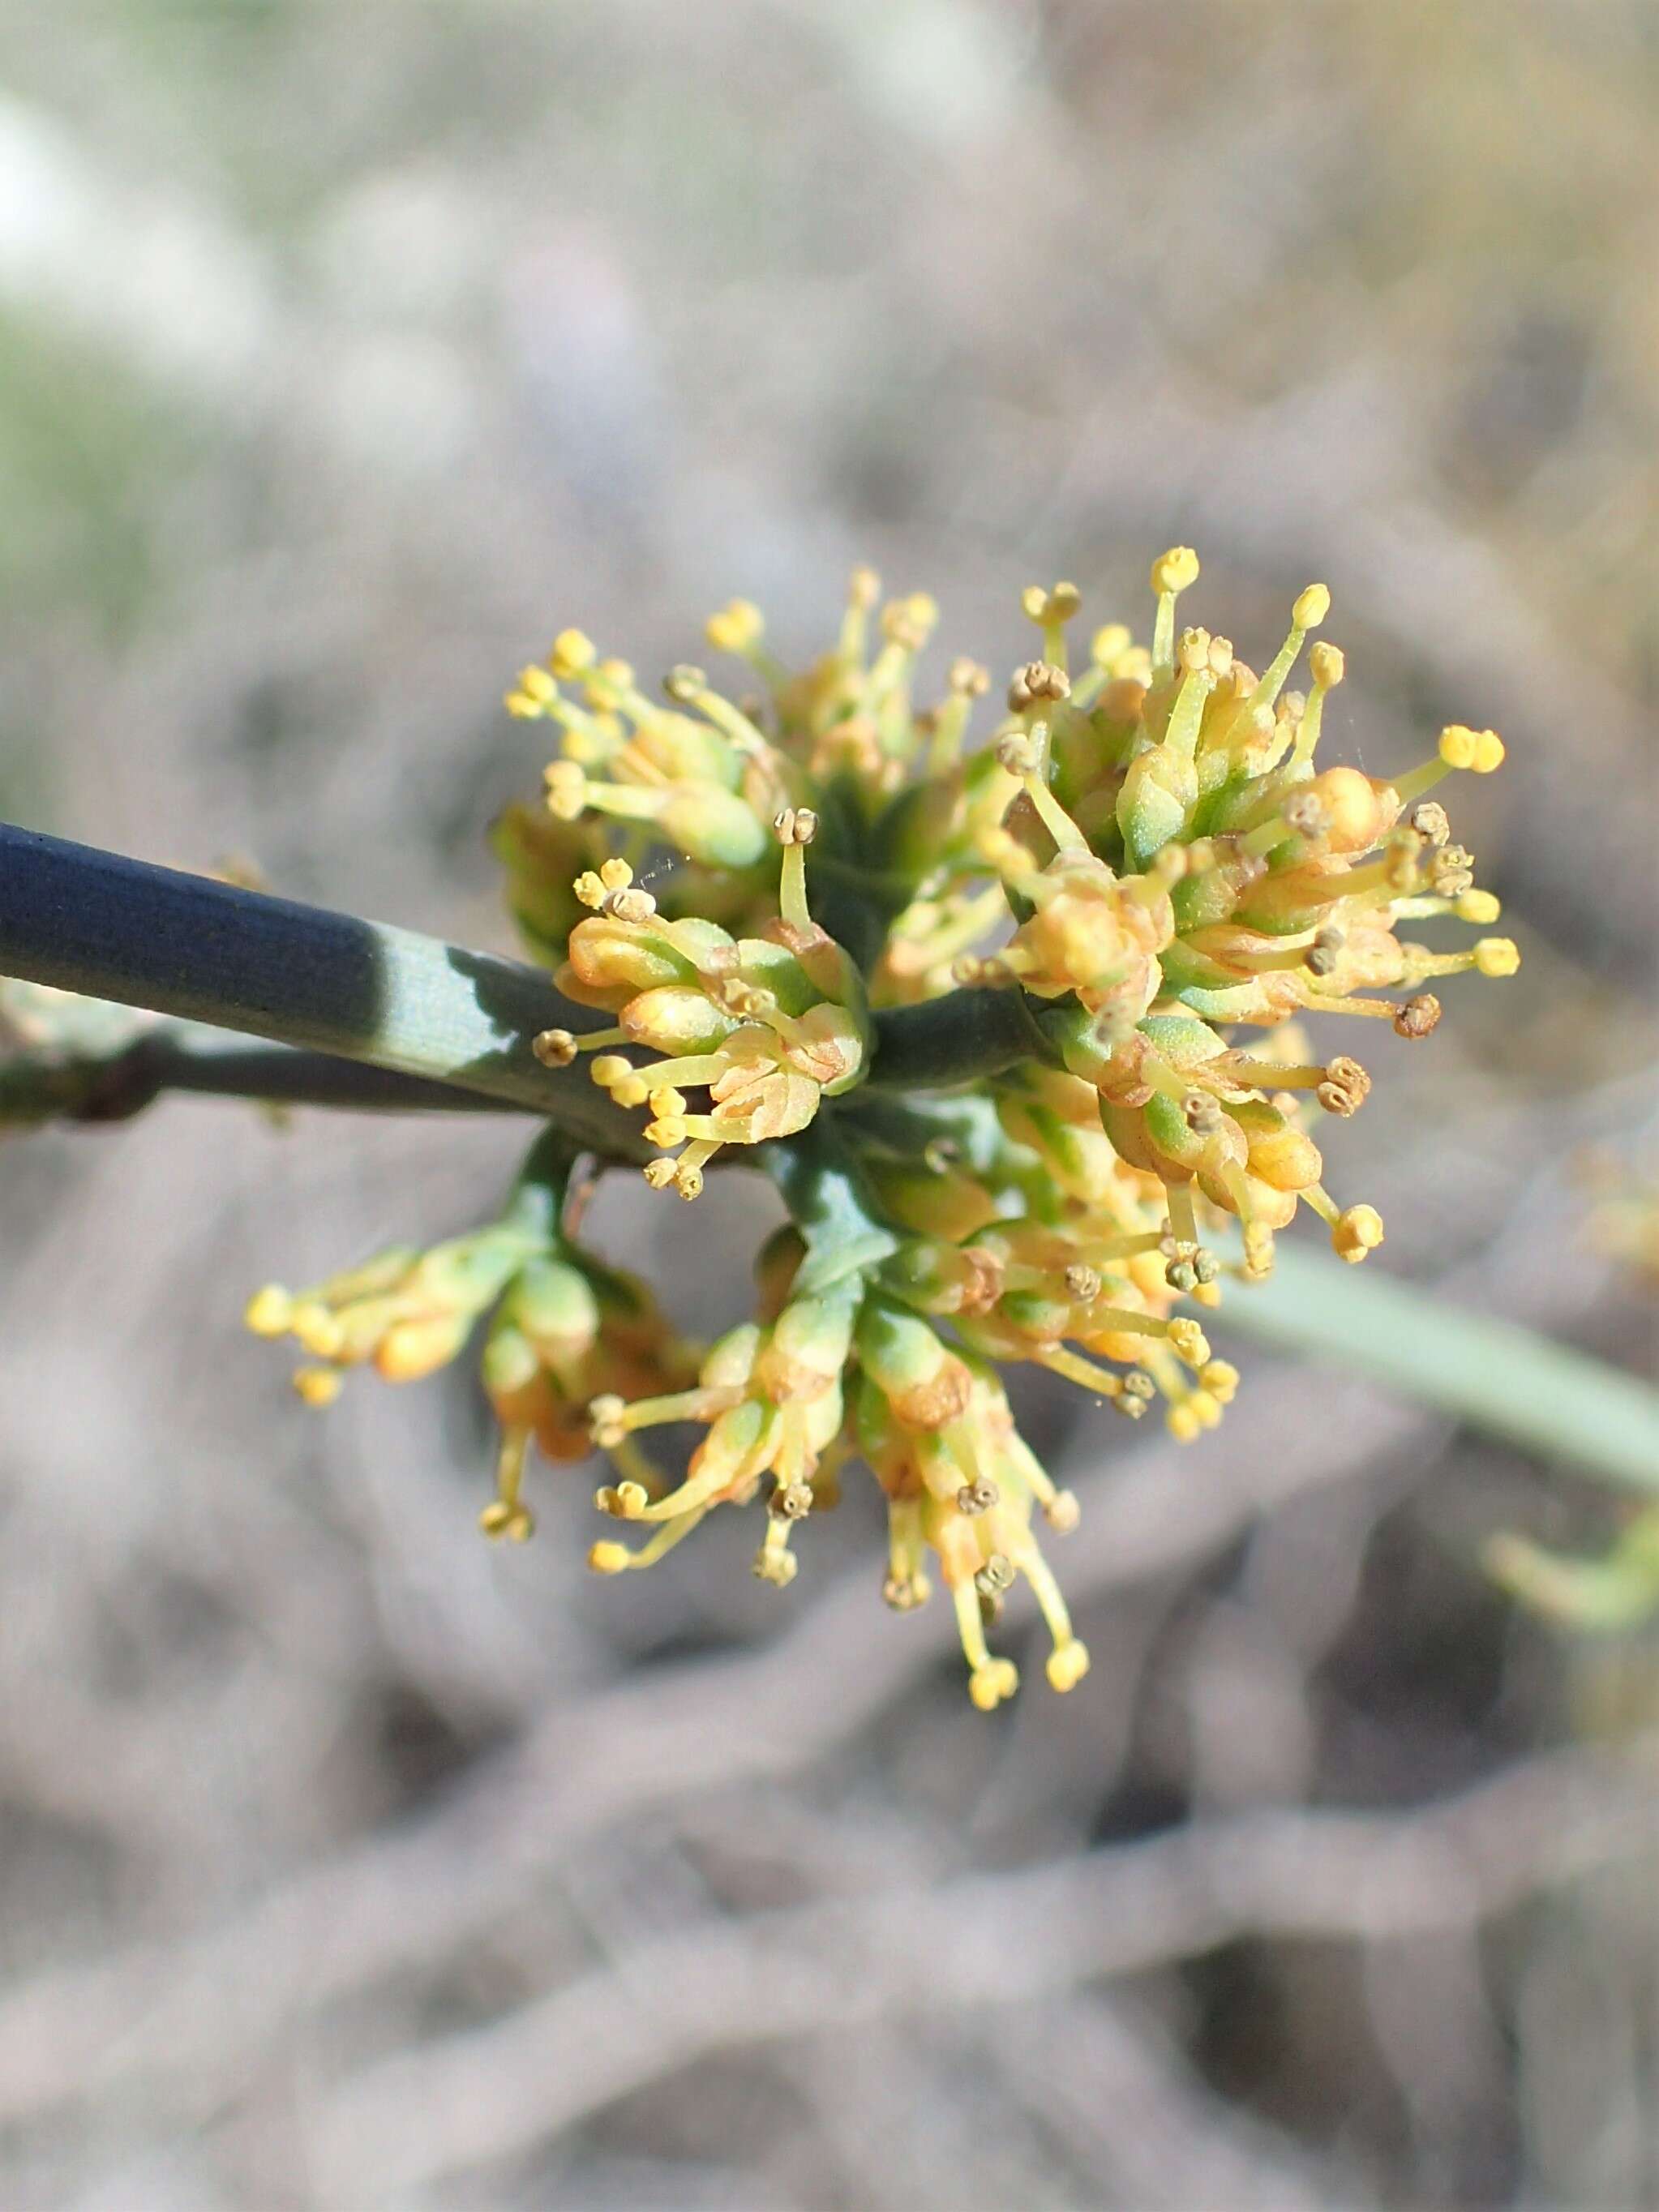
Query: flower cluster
x,y
563,1328
1022,1031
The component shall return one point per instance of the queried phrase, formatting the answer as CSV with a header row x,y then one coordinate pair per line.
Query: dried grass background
x,y
345,353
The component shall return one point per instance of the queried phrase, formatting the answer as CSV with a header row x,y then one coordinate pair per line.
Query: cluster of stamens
x,y
1149,865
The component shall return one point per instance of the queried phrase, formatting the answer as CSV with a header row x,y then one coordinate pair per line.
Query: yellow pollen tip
x,y
318,1329
538,684
1311,606
608,1557
1355,1232
572,652
318,1386
1327,665
567,789
1478,907
659,1173
268,1312
501,1518
738,625
1496,956
1220,1379
1066,1666
989,1684
1189,1340
623,1501
1458,745
1173,571
1108,643
1488,752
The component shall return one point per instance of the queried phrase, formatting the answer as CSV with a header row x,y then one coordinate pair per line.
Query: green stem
x,y
92,922
1548,1401
112,929
820,1181
959,1038
39,1087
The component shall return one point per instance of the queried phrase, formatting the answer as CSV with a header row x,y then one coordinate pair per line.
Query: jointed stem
x,y
447,1020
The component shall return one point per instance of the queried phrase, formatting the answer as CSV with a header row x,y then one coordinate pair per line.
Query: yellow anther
x,y
501,1517
1188,1340
688,1180
270,1312
738,627
1327,665
1066,1666
778,1568
1062,1511
567,789
991,1682
318,1329
1311,606
1458,745
623,1501
318,1386
659,1173
1496,956
571,652
1108,644
1355,1232
608,1557
606,1419
608,676
1175,570
1488,752
667,1102
909,622
1220,1378
538,684
1478,907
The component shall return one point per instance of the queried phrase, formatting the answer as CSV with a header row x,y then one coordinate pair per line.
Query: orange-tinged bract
x,y
1140,894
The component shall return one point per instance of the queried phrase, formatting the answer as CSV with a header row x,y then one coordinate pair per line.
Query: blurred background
x,y
345,354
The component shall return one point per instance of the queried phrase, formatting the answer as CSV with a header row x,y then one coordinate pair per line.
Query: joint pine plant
x,y
806,912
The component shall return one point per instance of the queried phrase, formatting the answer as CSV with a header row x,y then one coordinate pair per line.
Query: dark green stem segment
x,y
40,1087
441,1018
960,1038
112,929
